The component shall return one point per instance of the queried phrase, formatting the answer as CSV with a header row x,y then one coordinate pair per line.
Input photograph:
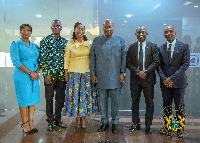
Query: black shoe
x,y
34,130
114,128
134,127
60,124
165,131
28,132
180,134
50,127
148,129
103,127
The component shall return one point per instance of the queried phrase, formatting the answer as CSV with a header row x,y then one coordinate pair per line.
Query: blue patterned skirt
x,y
81,97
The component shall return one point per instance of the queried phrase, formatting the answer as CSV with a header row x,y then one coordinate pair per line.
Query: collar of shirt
x,y
84,43
173,45
143,46
54,38
22,41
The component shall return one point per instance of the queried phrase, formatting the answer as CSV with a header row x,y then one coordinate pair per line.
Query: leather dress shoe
x,y
60,124
114,128
103,127
50,127
134,127
165,131
148,129
180,134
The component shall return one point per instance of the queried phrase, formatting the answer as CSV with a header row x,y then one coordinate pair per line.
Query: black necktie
x,y
169,52
141,58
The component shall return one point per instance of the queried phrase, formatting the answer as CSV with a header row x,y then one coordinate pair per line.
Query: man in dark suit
x,y
174,61
142,60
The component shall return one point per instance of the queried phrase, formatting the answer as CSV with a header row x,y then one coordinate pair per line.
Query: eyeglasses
x,y
26,31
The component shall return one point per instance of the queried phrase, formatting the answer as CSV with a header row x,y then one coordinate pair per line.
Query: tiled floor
x,y
11,132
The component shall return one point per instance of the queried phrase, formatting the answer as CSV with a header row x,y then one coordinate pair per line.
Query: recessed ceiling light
x,y
196,6
128,15
38,15
187,3
165,24
125,21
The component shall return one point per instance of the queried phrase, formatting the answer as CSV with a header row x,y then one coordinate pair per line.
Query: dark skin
x,y
141,33
56,28
169,34
108,29
25,34
79,32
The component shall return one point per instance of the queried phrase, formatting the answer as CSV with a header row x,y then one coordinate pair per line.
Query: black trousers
x,y
59,87
177,94
148,91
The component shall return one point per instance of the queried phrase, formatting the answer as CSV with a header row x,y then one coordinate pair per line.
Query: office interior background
x,y
127,15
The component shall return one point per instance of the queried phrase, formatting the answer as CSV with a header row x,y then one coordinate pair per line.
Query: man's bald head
x,y
141,33
170,27
108,21
170,33
141,27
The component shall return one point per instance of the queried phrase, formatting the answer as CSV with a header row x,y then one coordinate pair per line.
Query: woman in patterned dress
x,y
24,55
81,97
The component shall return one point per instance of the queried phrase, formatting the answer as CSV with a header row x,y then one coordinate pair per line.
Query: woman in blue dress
x,y
24,55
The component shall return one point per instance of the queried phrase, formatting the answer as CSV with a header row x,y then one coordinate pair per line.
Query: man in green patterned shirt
x,y
52,48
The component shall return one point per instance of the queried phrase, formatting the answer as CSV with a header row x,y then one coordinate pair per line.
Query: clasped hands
x,y
121,78
168,82
34,76
142,74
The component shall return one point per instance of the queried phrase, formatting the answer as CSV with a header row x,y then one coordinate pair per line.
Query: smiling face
x,y
108,28
170,33
141,33
79,31
25,32
56,27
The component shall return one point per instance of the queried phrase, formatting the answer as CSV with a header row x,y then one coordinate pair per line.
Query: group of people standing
x,y
84,74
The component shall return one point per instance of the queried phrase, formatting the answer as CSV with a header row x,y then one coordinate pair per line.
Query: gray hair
x,y
52,23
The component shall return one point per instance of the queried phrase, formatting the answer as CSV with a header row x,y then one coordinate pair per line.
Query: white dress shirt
x,y
143,48
172,47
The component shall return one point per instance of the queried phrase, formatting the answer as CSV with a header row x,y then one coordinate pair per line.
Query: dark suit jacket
x,y
175,69
151,62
